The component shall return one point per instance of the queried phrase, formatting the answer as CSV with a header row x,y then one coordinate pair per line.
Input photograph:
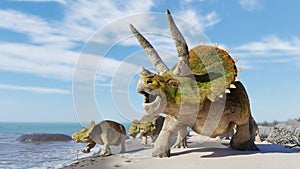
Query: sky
x,y
70,61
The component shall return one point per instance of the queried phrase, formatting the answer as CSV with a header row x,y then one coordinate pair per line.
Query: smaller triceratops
x,y
105,133
146,126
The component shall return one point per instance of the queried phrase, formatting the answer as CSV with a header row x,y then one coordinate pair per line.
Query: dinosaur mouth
x,y
83,140
152,102
149,98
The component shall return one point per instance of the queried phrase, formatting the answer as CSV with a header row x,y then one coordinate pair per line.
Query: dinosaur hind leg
x,y
243,140
123,146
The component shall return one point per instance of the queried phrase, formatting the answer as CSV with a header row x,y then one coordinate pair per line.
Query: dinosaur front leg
x,y
105,151
144,140
151,140
162,144
88,147
181,138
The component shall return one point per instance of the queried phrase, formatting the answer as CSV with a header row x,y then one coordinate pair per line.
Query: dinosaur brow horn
x,y
182,68
156,61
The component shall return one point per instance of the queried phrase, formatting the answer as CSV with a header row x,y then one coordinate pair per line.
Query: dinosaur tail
x,y
123,132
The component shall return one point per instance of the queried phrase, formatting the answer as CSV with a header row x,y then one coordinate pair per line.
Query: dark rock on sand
x,y
43,137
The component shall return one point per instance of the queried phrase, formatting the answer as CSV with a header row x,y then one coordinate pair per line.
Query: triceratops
x,y
146,126
105,133
201,91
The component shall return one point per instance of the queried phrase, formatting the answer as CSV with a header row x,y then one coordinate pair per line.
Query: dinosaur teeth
x,y
232,86
235,60
227,91
239,69
237,79
221,96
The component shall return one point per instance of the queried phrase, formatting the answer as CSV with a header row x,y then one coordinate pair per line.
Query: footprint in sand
x,y
117,165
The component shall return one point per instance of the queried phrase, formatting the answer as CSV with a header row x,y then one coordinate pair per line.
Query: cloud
x,y
200,21
51,50
269,49
38,30
269,46
250,5
59,1
191,1
34,89
44,61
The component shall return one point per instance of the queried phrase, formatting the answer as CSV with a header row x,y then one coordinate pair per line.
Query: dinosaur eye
x,y
173,83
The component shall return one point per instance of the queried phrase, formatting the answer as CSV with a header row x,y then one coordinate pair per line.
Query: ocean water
x,y
18,155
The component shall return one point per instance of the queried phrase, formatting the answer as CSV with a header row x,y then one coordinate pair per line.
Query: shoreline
x,y
207,153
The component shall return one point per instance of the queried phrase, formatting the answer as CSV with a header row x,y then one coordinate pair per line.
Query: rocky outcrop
x,y
264,132
287,133
43,137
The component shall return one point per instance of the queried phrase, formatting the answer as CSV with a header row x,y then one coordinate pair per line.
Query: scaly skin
x,y
202,91
105,133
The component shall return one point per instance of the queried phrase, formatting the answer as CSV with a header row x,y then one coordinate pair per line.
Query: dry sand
x,y
202,153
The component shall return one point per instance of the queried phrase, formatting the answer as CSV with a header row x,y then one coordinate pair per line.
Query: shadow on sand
x,y
224,151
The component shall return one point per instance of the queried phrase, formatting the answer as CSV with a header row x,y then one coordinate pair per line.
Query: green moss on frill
x,y
211,61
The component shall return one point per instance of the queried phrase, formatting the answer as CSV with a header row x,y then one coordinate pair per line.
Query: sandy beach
x,y
202,153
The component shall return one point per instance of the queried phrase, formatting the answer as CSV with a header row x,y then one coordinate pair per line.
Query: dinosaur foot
x,y
86,150
105,153
162,155
248,145
180,145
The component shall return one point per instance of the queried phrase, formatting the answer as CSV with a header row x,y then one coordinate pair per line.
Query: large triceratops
x,y
201,91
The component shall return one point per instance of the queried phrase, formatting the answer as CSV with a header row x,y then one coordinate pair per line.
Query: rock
x,y
264,131
287,133
43,137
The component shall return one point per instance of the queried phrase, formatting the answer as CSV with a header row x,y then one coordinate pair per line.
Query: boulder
x,y
287,133
43,137
264,132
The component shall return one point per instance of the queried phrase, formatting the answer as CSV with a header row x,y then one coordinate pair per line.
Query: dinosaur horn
x,y
156,61
182,68
91,126
145,72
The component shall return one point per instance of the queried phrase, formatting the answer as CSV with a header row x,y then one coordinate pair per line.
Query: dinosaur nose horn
x,y
155,59
182,68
